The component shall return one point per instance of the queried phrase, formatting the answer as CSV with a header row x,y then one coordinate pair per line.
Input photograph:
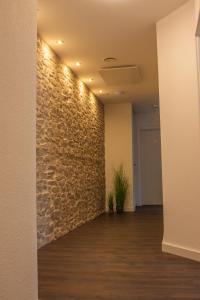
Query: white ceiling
x,y
95,29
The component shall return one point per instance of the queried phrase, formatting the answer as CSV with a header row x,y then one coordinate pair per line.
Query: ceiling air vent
x,y
121,75
110,59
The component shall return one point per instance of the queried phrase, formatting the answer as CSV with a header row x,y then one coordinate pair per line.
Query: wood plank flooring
x,y
116,258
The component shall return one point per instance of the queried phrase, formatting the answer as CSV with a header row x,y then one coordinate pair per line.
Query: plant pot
x,y
119,210
111,212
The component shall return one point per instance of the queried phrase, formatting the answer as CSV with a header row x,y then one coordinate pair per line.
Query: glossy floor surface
x,y
116,258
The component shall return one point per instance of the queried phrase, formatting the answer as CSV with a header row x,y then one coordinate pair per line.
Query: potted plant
x,y
111,203
121,188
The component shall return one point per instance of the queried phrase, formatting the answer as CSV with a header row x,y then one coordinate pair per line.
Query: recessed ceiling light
x,y
90,79
100,92
60,42
78,64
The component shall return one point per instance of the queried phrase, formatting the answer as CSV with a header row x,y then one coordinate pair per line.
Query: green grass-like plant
x,y
111,202
121,188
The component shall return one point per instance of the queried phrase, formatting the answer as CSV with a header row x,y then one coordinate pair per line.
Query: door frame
x,y
198,52
139,173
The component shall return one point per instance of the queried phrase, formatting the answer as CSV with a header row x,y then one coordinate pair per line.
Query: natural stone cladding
x,y
70,149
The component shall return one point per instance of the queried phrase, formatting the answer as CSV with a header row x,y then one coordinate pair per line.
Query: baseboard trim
x,y
129,209
192,254
125,210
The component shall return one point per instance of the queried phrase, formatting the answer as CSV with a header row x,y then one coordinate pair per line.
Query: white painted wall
x,y
180,132
18,261
197,10
119,146
149,119
197,17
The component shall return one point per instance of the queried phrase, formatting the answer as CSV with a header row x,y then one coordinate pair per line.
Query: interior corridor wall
x,y
119,146
70,149
18,245
180,133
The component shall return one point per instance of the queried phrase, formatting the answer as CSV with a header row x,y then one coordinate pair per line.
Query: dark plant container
x,y
111,212
111,203
119,210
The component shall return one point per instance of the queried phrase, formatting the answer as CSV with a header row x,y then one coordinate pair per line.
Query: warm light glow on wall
x,y
92,98
69,77
81,88
46,51
93,104
66,71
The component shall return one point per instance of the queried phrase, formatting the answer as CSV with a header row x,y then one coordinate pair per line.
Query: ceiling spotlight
x,y
100,92
90,79
60,42
78,64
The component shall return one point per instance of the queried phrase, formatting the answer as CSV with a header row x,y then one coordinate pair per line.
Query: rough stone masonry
x,y
70,149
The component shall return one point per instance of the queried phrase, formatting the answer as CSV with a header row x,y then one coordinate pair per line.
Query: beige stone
x,y
70,149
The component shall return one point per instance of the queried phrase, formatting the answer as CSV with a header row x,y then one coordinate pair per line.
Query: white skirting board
x,y
181,251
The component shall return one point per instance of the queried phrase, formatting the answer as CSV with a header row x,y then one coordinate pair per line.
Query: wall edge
x,y
178,250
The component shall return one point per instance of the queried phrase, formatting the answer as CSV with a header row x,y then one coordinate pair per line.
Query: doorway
x,y
150,167
147,157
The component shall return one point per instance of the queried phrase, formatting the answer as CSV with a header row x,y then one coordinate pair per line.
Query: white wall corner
x,y
181,251
180,139
119,146
130,209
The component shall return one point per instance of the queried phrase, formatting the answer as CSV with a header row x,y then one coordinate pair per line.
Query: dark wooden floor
x,y
116,258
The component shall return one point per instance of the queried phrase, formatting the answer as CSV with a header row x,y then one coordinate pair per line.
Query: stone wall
x,y
70,149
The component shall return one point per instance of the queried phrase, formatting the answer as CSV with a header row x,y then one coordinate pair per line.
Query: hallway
x,y
116,257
